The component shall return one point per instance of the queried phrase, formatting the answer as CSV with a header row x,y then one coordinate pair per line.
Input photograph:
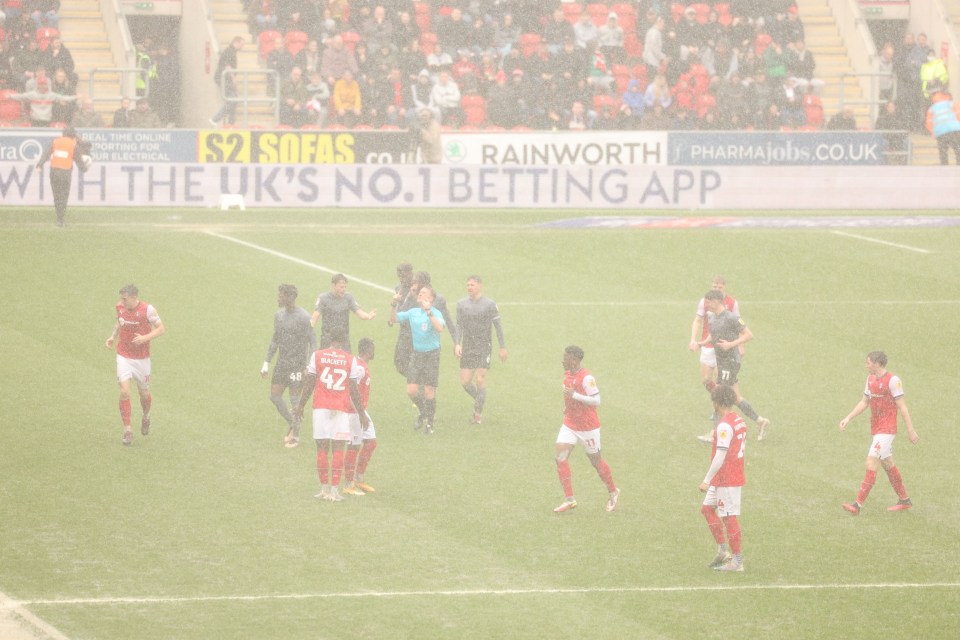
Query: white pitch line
x,y
305,263
889,244
13,612
481,592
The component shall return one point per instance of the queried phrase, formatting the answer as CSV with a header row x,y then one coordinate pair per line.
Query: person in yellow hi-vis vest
x,y
65,151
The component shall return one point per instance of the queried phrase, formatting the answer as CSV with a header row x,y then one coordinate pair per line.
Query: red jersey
x,y
730,434
577,415
729,303
364,382
883,393
334,369
134,322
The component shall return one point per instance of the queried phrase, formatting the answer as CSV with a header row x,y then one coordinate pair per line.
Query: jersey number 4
x,y
333,379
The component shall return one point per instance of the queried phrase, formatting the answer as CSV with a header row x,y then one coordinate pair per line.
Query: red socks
x,y
563,470
893,474
125,412
323,466
603,469
337,470
868,480
714,522
350,463
366,452
733,533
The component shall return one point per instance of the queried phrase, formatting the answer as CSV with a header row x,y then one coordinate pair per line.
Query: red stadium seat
x,y
676,11
422,15
389,127
572,11
621,77
529,43
812,110
701,11
602,100
474,109
295,41
626,16
266,42
632,44
10,109
598,13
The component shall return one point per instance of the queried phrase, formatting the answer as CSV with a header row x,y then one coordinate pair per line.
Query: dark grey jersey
x,y
335,315
293,337
726,325
475,319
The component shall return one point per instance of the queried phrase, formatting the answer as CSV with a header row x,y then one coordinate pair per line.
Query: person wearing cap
x,y
943,121
62,153
610,39
41,101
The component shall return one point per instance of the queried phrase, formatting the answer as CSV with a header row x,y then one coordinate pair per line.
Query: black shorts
x,y
727,371
474,357
424,368
287,375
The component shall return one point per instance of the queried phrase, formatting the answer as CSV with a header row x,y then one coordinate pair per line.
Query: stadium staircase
x,y
84,33
230,20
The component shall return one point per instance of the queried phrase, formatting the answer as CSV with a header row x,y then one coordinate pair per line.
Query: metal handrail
x,y
124,73
244,95
872,101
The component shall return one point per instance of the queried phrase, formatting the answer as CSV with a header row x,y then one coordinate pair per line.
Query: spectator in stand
x,y
488,69
480,36
39,75
607,118
382,60
143,117
308,58
226,82
61,85
653,53
885,67
376,29
347,100
943,121
502,103
293,100
86,116
557,31
775,61
465,72
365,64
759,97
789,100
446,97
793,27
800,62
570,63
610,38
599,76
122,116
721,60
405,30
411,60
375,91
439,60
586,33
57,56
398,99
656,118
453,32
319,100
44,13
298,15
633,104
890,120
933,73
579,118
337,59
731,98
25,63
263,14
658,93
845,120
420,98
513,61
41,101
338,11
279,59
690,33
506,36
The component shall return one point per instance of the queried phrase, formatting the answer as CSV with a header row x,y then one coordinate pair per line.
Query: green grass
x,y
208,528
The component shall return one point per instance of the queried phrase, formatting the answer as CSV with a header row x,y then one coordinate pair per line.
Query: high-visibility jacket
x,y
63,150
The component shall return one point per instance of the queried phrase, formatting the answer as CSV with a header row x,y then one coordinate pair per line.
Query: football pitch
x,y
208,527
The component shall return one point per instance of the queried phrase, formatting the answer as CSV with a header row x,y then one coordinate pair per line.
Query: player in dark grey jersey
x,y
333,309
294,341
727,333
477,316
403,300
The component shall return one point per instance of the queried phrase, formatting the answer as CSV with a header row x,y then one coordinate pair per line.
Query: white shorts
x,y
882,446
725,499
359,434
589,439
329,424
708,356
136,369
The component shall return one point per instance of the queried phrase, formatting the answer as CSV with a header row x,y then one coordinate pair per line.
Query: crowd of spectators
x,y
540,65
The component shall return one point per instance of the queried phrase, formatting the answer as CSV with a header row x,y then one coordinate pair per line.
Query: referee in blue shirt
x,y
426,324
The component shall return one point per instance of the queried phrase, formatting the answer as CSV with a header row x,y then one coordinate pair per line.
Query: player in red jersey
x,y
332,377
581,397
363,442
724,480
883,393
137,324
